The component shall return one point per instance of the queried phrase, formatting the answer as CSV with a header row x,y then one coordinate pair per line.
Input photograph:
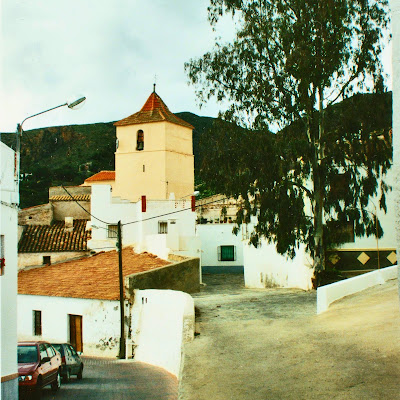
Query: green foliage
x,y
290,63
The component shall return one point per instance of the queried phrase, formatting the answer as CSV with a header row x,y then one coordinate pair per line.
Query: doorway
x,y
75,331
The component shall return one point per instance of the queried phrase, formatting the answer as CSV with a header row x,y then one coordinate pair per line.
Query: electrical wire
x,y
140,220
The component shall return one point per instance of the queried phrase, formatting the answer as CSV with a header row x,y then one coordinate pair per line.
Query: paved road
x,y
270,344
120,380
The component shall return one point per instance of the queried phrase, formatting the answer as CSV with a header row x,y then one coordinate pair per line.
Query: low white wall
x,y
214,235
264,267
100,321
162,320
326,295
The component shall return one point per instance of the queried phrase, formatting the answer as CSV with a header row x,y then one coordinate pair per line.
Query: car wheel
x,y
67,376
57,383
80,373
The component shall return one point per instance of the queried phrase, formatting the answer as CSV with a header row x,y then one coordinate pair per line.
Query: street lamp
x,y
69,104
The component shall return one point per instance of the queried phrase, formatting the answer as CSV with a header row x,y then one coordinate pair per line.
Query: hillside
x,y
69,154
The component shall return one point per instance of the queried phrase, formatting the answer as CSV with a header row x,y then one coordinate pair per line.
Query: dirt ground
x,y
270,344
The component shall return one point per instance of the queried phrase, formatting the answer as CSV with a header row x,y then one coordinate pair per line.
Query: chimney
x,y
69,224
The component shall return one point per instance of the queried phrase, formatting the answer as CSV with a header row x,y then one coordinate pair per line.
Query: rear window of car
x,y
27,354
59,348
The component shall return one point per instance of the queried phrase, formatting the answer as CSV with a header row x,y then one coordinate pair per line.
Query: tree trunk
x,y
318,180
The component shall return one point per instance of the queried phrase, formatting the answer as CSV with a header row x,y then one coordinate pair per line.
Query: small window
x,y
37,323
112,231
140,140
226,253
2,256
46,260
162,227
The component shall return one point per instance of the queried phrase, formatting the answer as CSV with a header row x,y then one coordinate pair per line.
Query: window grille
x,y
112,231
162,227
37,323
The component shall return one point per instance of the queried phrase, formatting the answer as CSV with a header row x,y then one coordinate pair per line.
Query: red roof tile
x,y
95,277
102,176
45,238
154,110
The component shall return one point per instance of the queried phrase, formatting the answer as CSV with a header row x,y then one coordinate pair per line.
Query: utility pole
x,y
121,294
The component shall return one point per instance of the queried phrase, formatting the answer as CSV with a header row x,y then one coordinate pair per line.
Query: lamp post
x,y
69,104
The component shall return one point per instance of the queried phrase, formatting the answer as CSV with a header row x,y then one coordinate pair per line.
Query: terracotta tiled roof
x,y
102,176
93,277
45,238
79,197
154,110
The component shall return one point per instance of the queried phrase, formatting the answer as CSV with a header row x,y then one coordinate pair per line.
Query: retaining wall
x,y
327,294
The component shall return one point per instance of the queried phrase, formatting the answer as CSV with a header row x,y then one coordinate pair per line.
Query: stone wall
x,y
182,276
64,209
38,215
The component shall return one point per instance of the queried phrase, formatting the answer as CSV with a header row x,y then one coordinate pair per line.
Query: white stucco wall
x,y
142,230
214,235
264,267
327,294
100,321
162,320
395,8
8,282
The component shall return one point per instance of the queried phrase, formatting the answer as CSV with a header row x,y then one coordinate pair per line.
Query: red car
x,y
39,365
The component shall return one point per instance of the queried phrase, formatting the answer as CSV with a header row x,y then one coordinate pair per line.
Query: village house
x,y
56,231
9,200
54,305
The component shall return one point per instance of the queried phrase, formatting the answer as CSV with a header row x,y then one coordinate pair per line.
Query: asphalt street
x,y
113,379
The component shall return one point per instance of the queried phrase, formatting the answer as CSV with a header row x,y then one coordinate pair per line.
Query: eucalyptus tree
x,y
289,63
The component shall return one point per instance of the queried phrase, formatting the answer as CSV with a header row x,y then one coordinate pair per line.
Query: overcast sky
x,y
107,50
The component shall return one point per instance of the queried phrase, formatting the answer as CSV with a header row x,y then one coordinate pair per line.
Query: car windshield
x,y
27,354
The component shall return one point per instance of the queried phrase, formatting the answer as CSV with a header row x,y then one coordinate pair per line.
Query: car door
x,y
45,364
76,362
54,362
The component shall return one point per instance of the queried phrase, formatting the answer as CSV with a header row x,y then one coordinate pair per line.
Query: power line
x,y
140,220
83,208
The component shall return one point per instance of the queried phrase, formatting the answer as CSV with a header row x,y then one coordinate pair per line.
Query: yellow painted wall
x,y
167,156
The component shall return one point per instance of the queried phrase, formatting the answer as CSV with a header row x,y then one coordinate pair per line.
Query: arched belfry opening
x,y
139,140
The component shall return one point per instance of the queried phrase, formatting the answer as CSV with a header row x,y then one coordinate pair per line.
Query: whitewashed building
x,y
8,273
151,191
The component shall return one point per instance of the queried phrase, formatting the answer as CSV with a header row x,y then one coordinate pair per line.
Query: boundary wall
x,y
327,294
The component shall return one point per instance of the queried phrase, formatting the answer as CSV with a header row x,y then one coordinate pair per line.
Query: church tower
x,y
154,156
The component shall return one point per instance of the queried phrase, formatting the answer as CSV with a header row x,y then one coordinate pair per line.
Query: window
x,y
140,140
112,231
341,232
46,260
42,351
162,227
37,323
50,350
2,256
226,253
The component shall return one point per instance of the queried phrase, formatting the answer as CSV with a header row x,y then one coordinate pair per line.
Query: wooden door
x,y
75,331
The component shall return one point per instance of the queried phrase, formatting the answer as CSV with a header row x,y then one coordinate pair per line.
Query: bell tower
x,y
154,156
